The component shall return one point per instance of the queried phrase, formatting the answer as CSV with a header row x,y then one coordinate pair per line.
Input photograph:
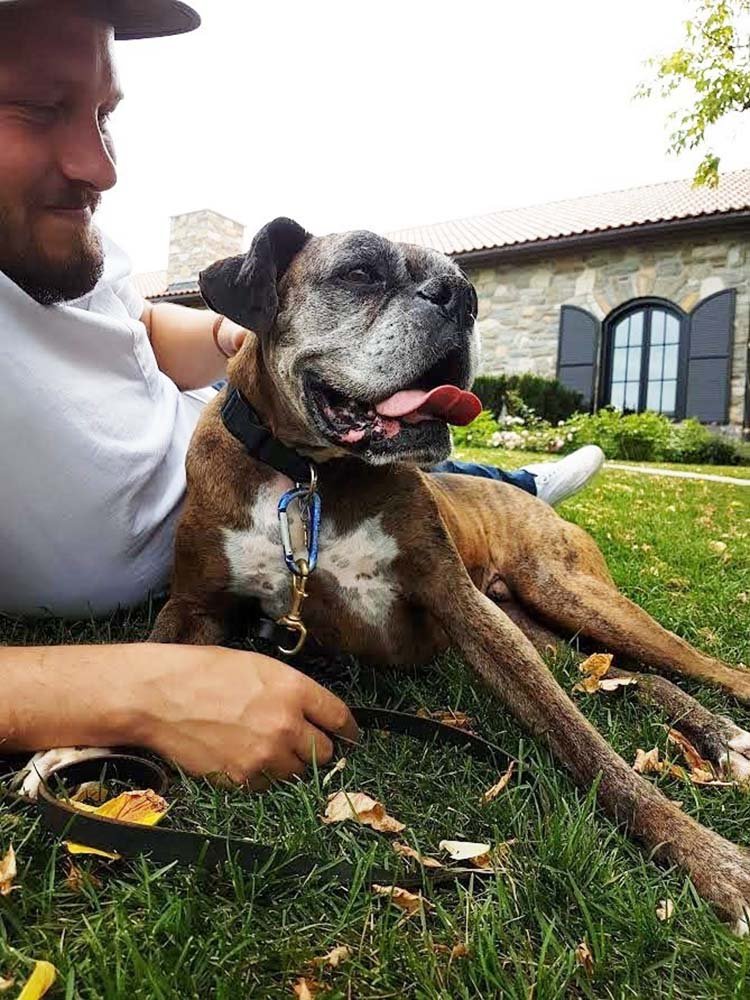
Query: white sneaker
x,y
556,481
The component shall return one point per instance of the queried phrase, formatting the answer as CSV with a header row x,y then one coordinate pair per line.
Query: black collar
x,y
241,420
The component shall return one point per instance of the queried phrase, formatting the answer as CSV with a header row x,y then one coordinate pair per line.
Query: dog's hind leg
x,y
508,663
717,738
184,620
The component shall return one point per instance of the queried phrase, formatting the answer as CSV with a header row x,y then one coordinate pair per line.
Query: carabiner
x,y
310,508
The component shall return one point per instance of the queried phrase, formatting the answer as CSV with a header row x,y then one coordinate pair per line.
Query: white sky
x,y
379,115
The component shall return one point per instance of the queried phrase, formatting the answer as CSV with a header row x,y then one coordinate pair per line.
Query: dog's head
x,y
371,344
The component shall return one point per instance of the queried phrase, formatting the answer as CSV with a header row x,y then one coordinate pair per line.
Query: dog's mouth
x,y
402,421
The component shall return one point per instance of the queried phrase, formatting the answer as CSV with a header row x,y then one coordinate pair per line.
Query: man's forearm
x,y
67,696
184,345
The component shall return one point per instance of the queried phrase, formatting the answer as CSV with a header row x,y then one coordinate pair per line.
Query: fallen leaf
x,y
689,752
665,909
408,852
77,878
39,981
718,547
411,902
584,958
647,762
594,669
463,850
335,957
143,807
492,793
459,720
8,873
358,806
460,950
306,989
483,861
90,791
5,984
612,683
596,665
336,769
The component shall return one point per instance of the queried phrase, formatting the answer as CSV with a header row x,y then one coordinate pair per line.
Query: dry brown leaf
x,y
408,852
647,762
596,665
335,956
90,791
463,850
460,950
492,793
306,989
8,872
594,668
665,909
358,806
459,720
483,861
336,769
612,683
77,878
5,984
409,901
584,958
689,752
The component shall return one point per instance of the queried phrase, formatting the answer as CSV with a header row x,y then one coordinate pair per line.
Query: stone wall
x,y
197,239
519,302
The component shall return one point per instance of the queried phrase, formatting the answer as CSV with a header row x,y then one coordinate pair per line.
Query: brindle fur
x,y
459,539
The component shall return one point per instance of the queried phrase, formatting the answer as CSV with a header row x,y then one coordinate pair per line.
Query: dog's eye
x,y
361,276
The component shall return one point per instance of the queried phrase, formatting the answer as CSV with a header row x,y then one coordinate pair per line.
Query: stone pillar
x,y
197,239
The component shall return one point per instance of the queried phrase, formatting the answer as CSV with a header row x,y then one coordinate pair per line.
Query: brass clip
x,y
293,618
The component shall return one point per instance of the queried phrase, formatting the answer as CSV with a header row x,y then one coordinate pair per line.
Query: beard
x,y
48,280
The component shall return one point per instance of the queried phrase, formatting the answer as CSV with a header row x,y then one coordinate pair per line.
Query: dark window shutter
x,y
578,350
710,358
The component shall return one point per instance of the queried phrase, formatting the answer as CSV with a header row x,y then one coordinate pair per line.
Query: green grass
x,y
150,932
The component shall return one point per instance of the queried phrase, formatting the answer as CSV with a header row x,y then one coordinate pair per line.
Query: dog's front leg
x,y
508,663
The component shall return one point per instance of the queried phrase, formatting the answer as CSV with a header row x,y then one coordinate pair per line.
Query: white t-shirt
x,y
92,450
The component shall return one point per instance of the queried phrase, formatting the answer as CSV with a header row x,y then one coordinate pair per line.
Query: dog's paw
x,y
44,763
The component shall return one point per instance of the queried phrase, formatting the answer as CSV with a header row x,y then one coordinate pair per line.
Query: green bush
x,y
478,434
549,399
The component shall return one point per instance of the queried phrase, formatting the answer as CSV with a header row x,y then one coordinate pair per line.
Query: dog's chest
x,y
354,566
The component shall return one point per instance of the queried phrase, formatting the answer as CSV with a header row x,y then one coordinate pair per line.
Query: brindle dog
x,y
351,330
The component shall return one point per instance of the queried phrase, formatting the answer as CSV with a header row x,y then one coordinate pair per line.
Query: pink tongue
x,y
448,402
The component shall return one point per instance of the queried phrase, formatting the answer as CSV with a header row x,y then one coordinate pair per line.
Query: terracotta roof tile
x,y
578,216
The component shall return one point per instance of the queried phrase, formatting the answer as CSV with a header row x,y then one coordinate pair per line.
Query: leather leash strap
x,y
185,847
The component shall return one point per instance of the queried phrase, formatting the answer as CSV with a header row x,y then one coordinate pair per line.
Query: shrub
x,y
478,434
549,399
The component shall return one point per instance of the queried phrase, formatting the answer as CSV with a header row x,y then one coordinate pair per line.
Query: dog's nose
x,y
455,298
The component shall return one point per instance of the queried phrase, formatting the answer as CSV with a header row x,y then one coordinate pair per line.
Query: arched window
x,y
645,360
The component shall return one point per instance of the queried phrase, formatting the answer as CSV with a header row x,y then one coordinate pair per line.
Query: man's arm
x,y
183,342
212,710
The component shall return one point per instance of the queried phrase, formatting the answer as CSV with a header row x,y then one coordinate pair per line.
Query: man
x,y
100,396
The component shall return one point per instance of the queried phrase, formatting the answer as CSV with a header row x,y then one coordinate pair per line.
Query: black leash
x,y
166,845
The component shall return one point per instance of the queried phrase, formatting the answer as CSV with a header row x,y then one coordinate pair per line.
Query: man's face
x,y
58,88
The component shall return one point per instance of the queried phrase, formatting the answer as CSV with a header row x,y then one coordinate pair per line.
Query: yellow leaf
x,y
665,909
584,958
492,793
463,850
39,981
596,665
143,807
8,873
408,852
358,806
405,900
335,957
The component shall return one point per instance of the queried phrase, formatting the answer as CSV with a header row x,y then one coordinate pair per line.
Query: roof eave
x,y
606,237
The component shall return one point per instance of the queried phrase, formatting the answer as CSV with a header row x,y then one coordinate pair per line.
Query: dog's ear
x,y
244,288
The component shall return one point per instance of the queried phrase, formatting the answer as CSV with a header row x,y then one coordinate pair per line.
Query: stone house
x,y
637,298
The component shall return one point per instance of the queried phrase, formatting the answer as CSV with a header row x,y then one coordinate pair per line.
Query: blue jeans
x,y
524,480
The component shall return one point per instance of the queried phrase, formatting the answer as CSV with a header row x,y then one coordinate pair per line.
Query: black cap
x,y
141,18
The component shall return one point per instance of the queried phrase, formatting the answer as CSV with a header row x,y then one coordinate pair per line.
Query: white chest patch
x,y
359,560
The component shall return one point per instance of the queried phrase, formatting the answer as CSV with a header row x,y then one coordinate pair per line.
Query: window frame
x,y
647,306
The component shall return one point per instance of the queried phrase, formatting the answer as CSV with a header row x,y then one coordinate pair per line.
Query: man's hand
x,y
211,710
230,337
242,715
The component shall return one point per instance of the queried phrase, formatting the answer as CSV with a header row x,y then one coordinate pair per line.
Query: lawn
x,y
137,930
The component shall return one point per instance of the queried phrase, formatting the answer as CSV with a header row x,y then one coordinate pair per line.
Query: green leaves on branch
x,y
710,73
